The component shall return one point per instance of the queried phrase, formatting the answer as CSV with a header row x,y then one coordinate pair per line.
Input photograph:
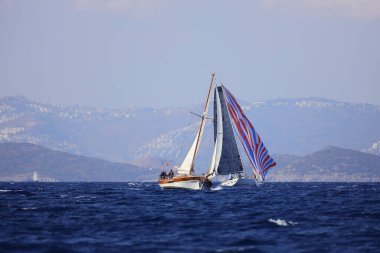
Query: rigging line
x,y
200,116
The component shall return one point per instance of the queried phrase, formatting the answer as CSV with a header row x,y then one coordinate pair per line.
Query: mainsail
x,y
256,151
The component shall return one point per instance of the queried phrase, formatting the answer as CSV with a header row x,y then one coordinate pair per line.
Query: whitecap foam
x,y
133,184
282,222
80,197
5,190
217,188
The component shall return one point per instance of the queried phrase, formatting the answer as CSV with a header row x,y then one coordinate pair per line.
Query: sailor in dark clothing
x,y
171,173
163,175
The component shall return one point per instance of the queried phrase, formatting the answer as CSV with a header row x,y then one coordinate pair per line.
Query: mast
x,y
204,115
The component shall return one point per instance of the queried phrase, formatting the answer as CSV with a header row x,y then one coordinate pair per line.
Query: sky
x,y
160,53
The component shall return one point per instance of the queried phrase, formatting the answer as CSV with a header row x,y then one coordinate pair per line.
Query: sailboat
x,y
35,177
185,178
230,126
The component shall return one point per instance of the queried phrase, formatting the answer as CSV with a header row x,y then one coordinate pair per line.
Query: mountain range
x,y
149,136
20,161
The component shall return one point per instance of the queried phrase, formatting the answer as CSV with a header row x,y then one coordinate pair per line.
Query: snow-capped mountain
x,y
105,133
287,126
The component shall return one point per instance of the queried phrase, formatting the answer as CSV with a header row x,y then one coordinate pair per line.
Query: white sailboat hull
x,y
230,182
191,185
238,181
185,182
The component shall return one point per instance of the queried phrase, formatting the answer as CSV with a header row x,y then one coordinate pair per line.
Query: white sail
x,y
219,131
211,169
188,163
218,138
187,166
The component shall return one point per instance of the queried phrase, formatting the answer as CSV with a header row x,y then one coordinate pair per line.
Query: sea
x,y
141,217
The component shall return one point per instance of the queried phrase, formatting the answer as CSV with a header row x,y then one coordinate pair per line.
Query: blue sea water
x,y
140,217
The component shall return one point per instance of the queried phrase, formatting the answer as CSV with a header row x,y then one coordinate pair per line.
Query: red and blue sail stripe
x,y
255,149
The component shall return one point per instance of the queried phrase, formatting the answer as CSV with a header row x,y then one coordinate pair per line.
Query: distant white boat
x,y
35,177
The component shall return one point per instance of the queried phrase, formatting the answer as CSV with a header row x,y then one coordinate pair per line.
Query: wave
x,y
21,192
282,222
84,196
135,184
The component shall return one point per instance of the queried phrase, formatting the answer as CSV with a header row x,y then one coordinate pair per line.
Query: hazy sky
x,y
118,53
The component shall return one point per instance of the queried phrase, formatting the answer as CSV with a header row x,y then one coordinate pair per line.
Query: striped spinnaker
x,y
255,149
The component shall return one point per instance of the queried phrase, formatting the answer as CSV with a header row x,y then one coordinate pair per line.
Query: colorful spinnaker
x,y
255,149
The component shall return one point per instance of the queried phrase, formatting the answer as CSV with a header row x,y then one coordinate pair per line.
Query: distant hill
x,y
20,160
331,164
148,136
